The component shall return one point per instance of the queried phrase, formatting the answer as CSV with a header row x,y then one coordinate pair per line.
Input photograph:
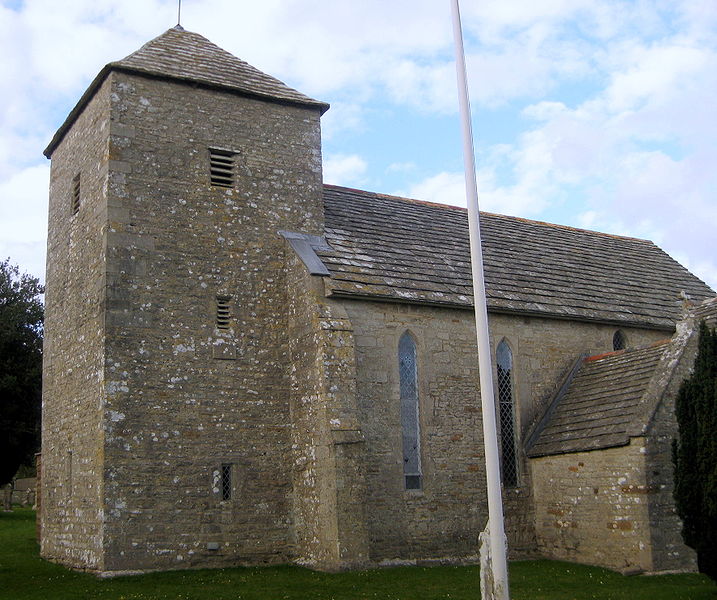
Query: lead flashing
x,y
305,246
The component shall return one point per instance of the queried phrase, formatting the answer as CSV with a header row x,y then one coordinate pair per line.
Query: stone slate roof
x,y
602,404
398,249
706,311
186,56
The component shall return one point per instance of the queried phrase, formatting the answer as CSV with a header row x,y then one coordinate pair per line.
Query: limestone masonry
x,y
245,366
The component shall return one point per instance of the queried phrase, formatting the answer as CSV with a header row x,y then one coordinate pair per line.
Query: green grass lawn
x,y
25,576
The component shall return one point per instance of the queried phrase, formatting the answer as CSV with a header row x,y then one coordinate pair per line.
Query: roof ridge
x,y
486,213
401,198
616,353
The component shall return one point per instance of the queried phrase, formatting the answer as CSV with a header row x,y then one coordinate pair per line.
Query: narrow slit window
x,y
221,167
506,404
69,474
226,482
223,312
410,426
75,199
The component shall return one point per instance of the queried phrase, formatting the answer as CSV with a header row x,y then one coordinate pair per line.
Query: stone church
x,y
244,365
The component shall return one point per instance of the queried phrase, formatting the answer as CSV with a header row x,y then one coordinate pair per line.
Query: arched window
x,y
410,428
619,341
506,405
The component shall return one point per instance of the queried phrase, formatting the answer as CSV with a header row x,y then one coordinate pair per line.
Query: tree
x,y
695,454
21,317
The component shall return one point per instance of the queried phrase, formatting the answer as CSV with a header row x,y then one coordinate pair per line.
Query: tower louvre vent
x,y
221,167
223,312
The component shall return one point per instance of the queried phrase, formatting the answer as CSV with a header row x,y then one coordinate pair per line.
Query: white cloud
x,y
342,169
654,75
427,87
706,270
23,218
401,167
635,157
445,188
342,117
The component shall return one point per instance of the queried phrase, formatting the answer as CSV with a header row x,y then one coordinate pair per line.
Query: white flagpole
x,y
498,549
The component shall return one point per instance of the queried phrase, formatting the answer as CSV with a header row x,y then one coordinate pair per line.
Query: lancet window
x,y
410,426
506,411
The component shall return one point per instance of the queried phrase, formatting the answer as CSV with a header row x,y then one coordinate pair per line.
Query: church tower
x,y
166,425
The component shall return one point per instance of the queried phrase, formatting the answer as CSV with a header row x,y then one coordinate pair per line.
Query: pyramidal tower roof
x,y
186,56
181,54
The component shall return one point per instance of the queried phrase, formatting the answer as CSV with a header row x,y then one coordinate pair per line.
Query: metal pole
x,y
490,438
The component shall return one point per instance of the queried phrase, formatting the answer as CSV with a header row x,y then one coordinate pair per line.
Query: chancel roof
x,y
608,399
602,405
398,249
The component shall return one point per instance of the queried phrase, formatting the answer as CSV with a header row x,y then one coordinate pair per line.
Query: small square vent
x,y
221,167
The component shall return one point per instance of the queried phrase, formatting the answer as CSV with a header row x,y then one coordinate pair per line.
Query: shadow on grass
x,y
25,576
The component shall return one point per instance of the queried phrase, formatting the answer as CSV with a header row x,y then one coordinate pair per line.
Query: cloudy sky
x,y
591,113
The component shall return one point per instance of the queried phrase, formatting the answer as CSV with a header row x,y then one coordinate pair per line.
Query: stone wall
x,y
38,498
23,491
73,356
182,397
544,351
592,507
669,552
185,397
445,518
